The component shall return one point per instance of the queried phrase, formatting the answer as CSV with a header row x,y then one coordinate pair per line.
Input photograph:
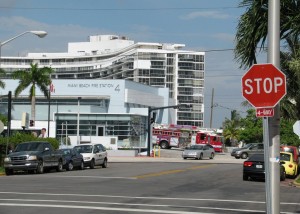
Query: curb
x,y
295,183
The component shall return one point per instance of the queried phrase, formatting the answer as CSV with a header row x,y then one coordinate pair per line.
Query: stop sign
x,y
263,85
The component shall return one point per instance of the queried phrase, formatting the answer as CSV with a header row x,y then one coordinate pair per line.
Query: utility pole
x,y
211,107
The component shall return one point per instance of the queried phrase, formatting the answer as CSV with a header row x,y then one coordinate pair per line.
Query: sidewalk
x,y
219,158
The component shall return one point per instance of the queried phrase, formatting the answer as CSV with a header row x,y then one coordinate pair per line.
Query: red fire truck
x,y
170,137
208,138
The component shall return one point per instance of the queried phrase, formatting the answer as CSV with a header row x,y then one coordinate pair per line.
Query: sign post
x,y
263,85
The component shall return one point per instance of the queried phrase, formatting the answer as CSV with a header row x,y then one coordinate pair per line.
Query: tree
x,y
252,29
232,127
2,73
33,78
251,130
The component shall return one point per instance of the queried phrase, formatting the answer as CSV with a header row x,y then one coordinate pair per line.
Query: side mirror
x,y
46,149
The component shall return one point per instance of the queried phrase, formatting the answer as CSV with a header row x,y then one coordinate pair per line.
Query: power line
x,y
119,9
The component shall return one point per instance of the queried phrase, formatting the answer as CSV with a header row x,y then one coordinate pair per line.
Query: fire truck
x,y
170,137
211,138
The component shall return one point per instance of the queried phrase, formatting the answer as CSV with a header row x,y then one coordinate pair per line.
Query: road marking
x,y
85,176
100,208
155,174
121,204
144,197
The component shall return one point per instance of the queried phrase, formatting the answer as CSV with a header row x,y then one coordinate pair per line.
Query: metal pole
x,y
149,131
273,123
78,114
49,98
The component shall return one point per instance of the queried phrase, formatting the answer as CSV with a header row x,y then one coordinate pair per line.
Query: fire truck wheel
x,y
164,145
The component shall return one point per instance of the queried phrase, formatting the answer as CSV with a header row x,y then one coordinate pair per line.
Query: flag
x,y
52,88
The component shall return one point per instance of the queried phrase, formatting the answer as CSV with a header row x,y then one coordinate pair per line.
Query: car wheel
x,y
201,156
244,155
40,168
212,155
245,177
104,165
70,166
92,165
9,172
60,167
164,145
82,165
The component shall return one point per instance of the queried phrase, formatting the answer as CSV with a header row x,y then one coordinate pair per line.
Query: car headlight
x,y
32,157
86,158
7,159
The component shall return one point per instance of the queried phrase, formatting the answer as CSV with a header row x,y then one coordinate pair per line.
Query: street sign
x,y
1,126
264,112
296,128
263,85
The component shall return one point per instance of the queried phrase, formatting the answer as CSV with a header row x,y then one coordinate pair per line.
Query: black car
x,y
254,168
73,159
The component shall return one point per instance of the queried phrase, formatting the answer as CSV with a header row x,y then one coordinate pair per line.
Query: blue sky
x,y
202,25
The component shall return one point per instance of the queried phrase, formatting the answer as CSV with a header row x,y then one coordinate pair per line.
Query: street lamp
x,y
39,33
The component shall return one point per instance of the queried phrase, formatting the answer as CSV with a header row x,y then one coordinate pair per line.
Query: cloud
x,y
205,14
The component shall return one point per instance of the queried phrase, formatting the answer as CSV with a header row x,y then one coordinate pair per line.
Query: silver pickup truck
x,y
34,156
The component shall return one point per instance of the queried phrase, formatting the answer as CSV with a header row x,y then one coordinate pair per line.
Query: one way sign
x,y
264,112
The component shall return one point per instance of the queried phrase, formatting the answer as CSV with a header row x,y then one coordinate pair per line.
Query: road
x,y
185,187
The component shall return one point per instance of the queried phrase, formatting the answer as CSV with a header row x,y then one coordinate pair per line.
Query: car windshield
x,y
84,149
37,146
246,146
285,157
195,147
66,151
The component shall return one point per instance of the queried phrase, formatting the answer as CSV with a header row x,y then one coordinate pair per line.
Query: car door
x,y
76,157
47,154
97,154
206,151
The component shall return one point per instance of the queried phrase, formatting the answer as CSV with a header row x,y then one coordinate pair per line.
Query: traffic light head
x,y
31,123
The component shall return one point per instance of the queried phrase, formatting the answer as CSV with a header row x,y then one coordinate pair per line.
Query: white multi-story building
x,y
113,57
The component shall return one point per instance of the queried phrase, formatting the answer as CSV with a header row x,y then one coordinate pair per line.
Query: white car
x,y
199,151
93,155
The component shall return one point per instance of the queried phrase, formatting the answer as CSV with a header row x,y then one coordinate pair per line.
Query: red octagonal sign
x,y
264,85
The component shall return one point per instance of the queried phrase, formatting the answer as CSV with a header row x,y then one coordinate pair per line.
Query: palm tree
x,y
232,127
33,78
252,29
2,73
252,32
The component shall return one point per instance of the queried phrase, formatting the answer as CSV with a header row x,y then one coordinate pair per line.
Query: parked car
x,y
199,151
73,159
34,156
254,168
248,150
294,150
291,167
93,155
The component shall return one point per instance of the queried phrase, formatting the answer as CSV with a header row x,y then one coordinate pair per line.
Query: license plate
x,y
259,166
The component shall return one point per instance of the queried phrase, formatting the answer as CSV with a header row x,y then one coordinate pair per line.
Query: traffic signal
x,y
31,123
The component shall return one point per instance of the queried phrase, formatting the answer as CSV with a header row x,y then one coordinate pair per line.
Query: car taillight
x,y
248,163
290,165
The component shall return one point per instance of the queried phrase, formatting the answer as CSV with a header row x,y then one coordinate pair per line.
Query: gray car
x,y
199,152
248,150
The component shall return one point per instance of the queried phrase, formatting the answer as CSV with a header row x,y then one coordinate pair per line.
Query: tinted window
x,y
256,157
29,147
285,157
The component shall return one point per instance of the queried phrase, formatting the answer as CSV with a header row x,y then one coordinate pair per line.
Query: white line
x,y
100,208
130,204
141,197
